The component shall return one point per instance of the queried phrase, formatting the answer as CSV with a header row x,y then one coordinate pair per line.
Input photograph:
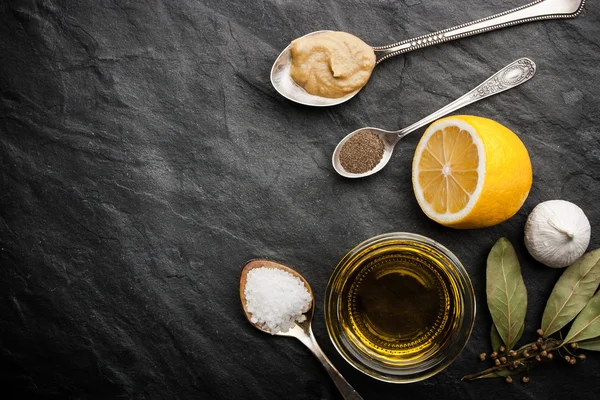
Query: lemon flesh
x,y
470,172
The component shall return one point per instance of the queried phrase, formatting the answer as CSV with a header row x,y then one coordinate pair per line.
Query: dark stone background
x,y
145,157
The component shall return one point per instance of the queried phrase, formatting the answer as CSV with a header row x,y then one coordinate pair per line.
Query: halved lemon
x,y
470,172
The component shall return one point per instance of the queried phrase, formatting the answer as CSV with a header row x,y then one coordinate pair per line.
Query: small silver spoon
x,y
512,75
535,11
302,330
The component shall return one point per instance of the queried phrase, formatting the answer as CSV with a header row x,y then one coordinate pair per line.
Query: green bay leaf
x,y
572,292
503,373
590,344
495,339
587,323
496,374
506,292
519,334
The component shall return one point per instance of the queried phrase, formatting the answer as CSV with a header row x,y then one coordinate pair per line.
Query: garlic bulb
x,y
557,233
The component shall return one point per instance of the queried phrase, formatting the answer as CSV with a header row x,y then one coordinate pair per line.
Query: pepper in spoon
x,y
535,11
512,75
301,330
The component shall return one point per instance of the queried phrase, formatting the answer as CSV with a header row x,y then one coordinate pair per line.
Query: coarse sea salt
x,y
276,299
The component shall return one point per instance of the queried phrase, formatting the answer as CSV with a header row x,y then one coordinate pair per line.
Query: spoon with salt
x,y
535,11
301,330
512,75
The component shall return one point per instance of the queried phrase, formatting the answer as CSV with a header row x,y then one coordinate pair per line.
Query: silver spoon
x,y
302,330
508,77
538,10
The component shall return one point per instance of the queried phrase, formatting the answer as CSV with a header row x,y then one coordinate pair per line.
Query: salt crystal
x,y
276,299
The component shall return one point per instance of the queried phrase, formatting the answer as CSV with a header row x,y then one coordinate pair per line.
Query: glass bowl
x,y
434,357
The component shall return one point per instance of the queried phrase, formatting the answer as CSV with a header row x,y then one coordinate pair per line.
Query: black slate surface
x,y
145,157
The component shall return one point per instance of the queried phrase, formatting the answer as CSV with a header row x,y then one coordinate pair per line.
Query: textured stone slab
x,y
145,157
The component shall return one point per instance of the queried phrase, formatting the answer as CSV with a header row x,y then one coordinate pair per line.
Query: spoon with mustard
x,y
512,75
325,68
301,330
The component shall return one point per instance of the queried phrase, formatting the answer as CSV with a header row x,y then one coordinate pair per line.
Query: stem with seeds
x,y
524,354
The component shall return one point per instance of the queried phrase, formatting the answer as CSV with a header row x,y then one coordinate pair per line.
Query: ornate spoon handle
x,y
538,10
508,77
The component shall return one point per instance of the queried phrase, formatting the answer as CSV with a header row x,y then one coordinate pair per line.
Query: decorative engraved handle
x,y
538,10
512,75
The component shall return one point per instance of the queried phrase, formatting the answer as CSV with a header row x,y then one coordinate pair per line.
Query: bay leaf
x,y
503,373
506,292
590,344
571,293
495,339
514,343
587,323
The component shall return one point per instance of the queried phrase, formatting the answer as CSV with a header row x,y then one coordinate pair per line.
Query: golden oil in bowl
x,y
399,307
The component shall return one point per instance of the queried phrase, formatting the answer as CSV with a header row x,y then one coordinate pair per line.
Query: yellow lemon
x,y
470,172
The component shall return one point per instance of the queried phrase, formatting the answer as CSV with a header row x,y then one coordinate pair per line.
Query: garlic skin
x,y
557,233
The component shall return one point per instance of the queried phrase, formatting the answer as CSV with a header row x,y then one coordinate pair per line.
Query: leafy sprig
x,y
571,299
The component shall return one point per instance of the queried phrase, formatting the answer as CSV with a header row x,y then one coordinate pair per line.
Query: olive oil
x,y
399,305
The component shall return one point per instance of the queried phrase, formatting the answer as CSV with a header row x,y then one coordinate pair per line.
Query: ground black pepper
x,y
362,152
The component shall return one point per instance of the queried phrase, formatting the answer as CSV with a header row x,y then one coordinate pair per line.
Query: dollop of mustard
x,y
331,64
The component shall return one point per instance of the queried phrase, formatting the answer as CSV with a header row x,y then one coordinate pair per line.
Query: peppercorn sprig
x,y
513,362
569,322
